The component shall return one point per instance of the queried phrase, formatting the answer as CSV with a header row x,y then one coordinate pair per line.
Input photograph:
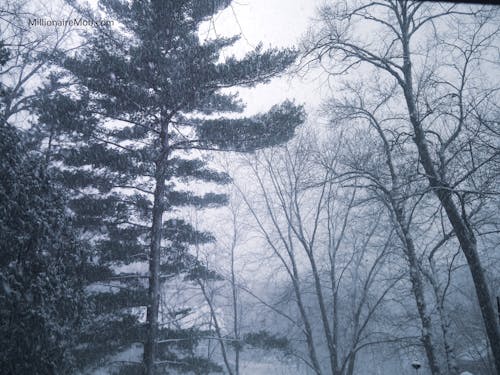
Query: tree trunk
x,y
309,249
418,292
335,309
451,359
350,366
235,304
444,319
218,330
352,356
396,203
307,326
150,346
324,316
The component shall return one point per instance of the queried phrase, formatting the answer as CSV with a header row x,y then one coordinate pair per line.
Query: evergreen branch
x,y
133,187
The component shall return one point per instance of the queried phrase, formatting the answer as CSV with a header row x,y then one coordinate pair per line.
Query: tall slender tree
x,y
135,116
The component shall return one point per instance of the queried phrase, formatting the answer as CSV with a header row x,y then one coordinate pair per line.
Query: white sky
x,y
274,23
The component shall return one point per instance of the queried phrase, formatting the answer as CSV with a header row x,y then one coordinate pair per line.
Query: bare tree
x,y
440,292
209,298
389,184
307,227
288,259
211,293
440,136
31,50
234,284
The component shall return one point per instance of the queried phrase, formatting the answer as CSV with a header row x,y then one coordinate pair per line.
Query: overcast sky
x,y
274,23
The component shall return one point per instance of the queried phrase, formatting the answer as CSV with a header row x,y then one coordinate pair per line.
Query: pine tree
x,y
42,303
127,135
112,211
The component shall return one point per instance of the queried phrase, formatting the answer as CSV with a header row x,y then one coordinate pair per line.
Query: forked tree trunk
x,y
459,223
